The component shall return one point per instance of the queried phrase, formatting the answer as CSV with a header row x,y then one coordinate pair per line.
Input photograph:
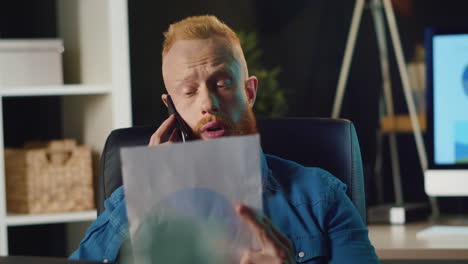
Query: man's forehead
x,y
214,53
189,75
197,49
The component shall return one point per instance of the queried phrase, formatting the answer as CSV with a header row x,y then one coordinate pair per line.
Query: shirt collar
x,y
269,182
266,171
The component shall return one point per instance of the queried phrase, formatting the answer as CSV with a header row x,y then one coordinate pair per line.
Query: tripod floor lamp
x,y
382,11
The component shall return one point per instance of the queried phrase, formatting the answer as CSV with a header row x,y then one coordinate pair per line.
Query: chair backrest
x,y
330,144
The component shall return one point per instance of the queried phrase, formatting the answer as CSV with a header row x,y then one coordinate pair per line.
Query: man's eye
x,y
224,83
189,92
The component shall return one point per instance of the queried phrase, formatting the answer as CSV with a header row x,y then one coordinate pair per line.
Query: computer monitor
x,y
447,112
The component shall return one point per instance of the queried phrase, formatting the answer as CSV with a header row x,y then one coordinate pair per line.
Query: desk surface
x,y
400,242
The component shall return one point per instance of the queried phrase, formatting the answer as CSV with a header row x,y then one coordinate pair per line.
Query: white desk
x,y
397,242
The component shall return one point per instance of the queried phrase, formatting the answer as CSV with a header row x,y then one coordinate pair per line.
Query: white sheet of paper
x,y
199,180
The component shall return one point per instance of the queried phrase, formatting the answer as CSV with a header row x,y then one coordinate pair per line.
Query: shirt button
x,y
301,254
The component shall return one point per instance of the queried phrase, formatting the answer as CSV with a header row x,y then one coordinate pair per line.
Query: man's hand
x,y
163,130
275,247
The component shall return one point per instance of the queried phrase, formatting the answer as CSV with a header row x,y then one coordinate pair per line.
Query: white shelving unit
x,y
55,90
36,219
96,96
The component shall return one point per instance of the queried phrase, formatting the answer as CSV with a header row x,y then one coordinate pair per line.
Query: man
x,y
309,218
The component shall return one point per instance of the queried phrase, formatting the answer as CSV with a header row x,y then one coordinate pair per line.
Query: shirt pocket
x,y
310,249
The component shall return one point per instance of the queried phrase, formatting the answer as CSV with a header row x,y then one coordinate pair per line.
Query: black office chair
x,y
330,144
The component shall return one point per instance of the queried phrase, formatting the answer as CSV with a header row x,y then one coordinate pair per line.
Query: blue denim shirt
x,y
309,205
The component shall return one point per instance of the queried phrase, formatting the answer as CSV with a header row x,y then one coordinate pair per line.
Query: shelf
x,y
37,219
55,90
401,123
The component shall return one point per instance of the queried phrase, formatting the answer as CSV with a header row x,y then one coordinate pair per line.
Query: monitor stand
x,y
398,214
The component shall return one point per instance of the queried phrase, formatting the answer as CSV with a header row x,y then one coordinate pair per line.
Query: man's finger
x,y
250,218
280,236
174,136
162,131
256,257
269,243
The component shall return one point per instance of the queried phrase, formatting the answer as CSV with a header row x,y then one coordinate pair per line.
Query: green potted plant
x,y
271,99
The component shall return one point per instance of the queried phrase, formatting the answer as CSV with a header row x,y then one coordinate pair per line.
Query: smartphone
x,y
185,132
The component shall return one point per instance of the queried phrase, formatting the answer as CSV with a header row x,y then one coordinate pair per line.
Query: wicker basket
x,y
49,177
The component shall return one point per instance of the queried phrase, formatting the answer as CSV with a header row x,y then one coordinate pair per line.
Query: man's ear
x,y
164,99
251,85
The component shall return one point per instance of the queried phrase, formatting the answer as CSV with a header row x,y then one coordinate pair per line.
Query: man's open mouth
x,y
213,130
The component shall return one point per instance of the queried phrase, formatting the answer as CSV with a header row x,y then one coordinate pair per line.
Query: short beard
x,y
247,125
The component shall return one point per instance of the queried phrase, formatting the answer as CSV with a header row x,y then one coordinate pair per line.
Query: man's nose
x,y
209,102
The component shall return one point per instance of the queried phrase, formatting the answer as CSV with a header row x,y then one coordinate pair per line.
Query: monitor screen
x,y
447,79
